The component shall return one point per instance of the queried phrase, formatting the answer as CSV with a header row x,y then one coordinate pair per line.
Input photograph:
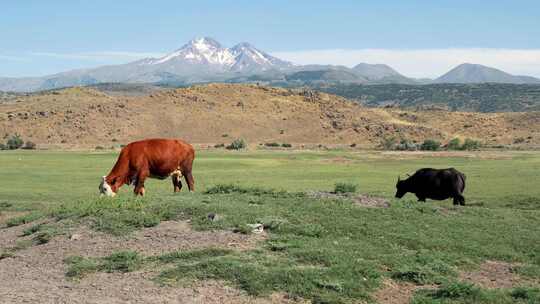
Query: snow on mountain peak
x,y
208,51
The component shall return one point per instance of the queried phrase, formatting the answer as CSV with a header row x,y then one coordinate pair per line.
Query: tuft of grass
x,y
117,217
6,254
79,266
5,205
122,261
460,292
24,219
232,188
345,188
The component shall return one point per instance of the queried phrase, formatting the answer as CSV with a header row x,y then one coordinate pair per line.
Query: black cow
x,y
437,184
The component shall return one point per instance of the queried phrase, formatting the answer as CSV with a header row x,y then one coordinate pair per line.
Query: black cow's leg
x,y
459,200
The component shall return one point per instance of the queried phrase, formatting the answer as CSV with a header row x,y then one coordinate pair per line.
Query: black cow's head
x,y
401,187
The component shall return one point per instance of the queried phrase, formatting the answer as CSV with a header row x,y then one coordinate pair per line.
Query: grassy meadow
x,y
325,250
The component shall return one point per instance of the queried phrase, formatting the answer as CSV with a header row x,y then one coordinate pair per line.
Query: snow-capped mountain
x,y
199,51
208,52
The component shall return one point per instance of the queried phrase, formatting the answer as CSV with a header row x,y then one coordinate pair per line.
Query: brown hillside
x,y
205,114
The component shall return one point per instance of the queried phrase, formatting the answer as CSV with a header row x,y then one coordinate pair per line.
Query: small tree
x,y
14,142
2,146
454,144
430,145
237,144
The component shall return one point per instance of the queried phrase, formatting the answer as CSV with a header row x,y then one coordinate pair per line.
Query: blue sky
x,y
41,37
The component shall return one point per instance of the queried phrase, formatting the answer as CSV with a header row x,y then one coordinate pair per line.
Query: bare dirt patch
x,y
37,274
362,200
493,275
397,293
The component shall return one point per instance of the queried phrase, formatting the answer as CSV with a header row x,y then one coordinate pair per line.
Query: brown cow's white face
x,y
105,188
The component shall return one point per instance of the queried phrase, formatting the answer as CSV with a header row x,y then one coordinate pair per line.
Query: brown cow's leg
x,y
189,180
139,185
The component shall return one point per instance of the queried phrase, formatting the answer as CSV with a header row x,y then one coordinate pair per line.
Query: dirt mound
x,y
393,292
217,113
37,273
494,275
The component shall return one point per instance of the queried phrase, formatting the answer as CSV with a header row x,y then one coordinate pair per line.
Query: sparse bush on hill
x,y
219,146
237,144
100,148
519,140
286,145
345,188
271,144
388,143
14,142
225,135
454,144
470,144
430,145
2,146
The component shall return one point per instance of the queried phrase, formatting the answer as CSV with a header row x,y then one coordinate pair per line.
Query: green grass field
x,y
329,251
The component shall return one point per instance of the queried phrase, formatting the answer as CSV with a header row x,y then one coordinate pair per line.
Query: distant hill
x,y
486,97
219,113
476,73
325,76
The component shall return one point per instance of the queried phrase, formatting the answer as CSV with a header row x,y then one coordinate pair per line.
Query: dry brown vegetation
x,y
218,113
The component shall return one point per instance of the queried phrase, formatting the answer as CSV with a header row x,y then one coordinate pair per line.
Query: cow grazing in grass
x,y
154,158
437,184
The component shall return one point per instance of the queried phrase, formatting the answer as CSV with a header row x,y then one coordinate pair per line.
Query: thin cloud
x,y
12,58
98,56
424,62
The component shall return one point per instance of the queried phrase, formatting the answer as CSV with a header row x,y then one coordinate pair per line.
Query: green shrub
x,y
406,145
3,147
271,144
219,146
14,142
430,145
237,144
454,144
470,144
100,148
345,188
286,145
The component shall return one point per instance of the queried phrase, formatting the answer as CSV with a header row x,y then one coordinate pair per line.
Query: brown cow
x,y
155,158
